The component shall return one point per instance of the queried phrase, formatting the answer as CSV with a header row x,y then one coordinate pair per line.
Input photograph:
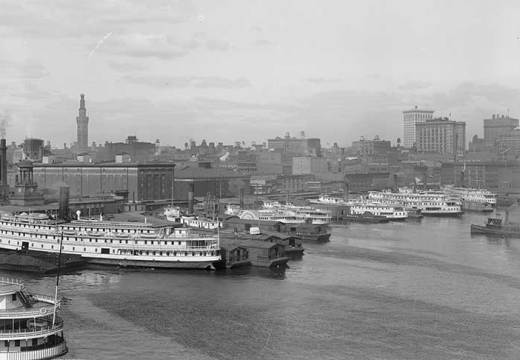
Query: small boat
x,y
495,227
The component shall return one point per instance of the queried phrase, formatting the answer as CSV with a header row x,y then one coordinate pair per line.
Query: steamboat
x,y
430,203
29,326
473,199
132,244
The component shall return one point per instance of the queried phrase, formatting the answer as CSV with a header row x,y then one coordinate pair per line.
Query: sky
x,y
232,70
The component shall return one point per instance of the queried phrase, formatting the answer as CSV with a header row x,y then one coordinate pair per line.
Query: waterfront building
x,y
442,136
497,176
410,119
82,126
497,126
141,181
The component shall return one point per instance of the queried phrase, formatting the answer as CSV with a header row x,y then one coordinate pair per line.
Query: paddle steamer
x,y
111,243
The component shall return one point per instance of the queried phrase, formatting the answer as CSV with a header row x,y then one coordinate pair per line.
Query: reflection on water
x,y
419,290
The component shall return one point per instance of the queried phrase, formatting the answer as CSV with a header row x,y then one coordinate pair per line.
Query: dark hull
x,y
443,214
203,265
492,231
366,219
37,261
313,237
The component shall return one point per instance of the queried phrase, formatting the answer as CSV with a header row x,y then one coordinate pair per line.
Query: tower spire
x,y
82,102
82,123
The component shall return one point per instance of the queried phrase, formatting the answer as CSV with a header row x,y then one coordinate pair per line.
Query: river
x,y
410,290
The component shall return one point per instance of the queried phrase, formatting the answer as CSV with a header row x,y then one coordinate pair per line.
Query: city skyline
x,y
274,68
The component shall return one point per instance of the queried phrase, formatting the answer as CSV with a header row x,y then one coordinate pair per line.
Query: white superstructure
x,y
29,326
478,196
293,213
328,200
432,203
391,212
112,243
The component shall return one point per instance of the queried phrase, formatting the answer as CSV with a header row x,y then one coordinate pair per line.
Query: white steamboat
x,y
391,212
430,203
29,326
111,243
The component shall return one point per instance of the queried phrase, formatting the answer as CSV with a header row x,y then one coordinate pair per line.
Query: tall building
x,y
497,126
410,119
297,146
441,136
82,122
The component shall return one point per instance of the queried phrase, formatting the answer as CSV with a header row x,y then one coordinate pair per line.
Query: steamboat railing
x,y
38,331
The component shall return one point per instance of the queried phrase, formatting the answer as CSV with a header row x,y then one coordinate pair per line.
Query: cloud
x,y
188,81
144,45
320,80
415,85
161,45
58,18
24,70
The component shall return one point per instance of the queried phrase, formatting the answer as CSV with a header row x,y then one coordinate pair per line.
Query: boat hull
x,y
442,214
366,219
204,265
124,261
484,230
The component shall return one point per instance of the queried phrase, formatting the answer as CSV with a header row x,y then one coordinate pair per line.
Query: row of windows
x,y
77,228
105,241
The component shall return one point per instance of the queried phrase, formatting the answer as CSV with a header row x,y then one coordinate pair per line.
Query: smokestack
x,y
63,211
241,198
190,197
4,188
346,190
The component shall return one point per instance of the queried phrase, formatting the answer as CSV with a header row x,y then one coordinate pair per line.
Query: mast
x,y
57,280
173,177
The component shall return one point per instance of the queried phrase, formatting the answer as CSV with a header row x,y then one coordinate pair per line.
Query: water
x,y
415,290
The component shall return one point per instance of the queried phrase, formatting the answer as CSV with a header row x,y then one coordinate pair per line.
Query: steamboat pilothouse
x,y
133,244
29,326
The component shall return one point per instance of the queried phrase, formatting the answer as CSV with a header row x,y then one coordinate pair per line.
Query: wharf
x,y
239,252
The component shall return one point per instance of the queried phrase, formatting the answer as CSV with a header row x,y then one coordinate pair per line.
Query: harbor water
x,y
405,290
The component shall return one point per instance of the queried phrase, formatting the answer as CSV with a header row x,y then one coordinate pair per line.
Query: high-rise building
x,y
297,146
442,136
82,122
410,119
497,126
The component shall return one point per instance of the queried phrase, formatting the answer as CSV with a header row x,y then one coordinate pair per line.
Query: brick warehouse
x,y
142,182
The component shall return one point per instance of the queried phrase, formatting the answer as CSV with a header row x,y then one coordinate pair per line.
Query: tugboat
x,y
496,227
29,326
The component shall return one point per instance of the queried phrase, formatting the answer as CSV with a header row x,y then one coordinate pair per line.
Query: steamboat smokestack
x,y
4,188
63,211
191,190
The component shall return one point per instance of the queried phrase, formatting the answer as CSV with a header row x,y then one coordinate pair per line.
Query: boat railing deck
x,y
39,330
22,312
214,246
